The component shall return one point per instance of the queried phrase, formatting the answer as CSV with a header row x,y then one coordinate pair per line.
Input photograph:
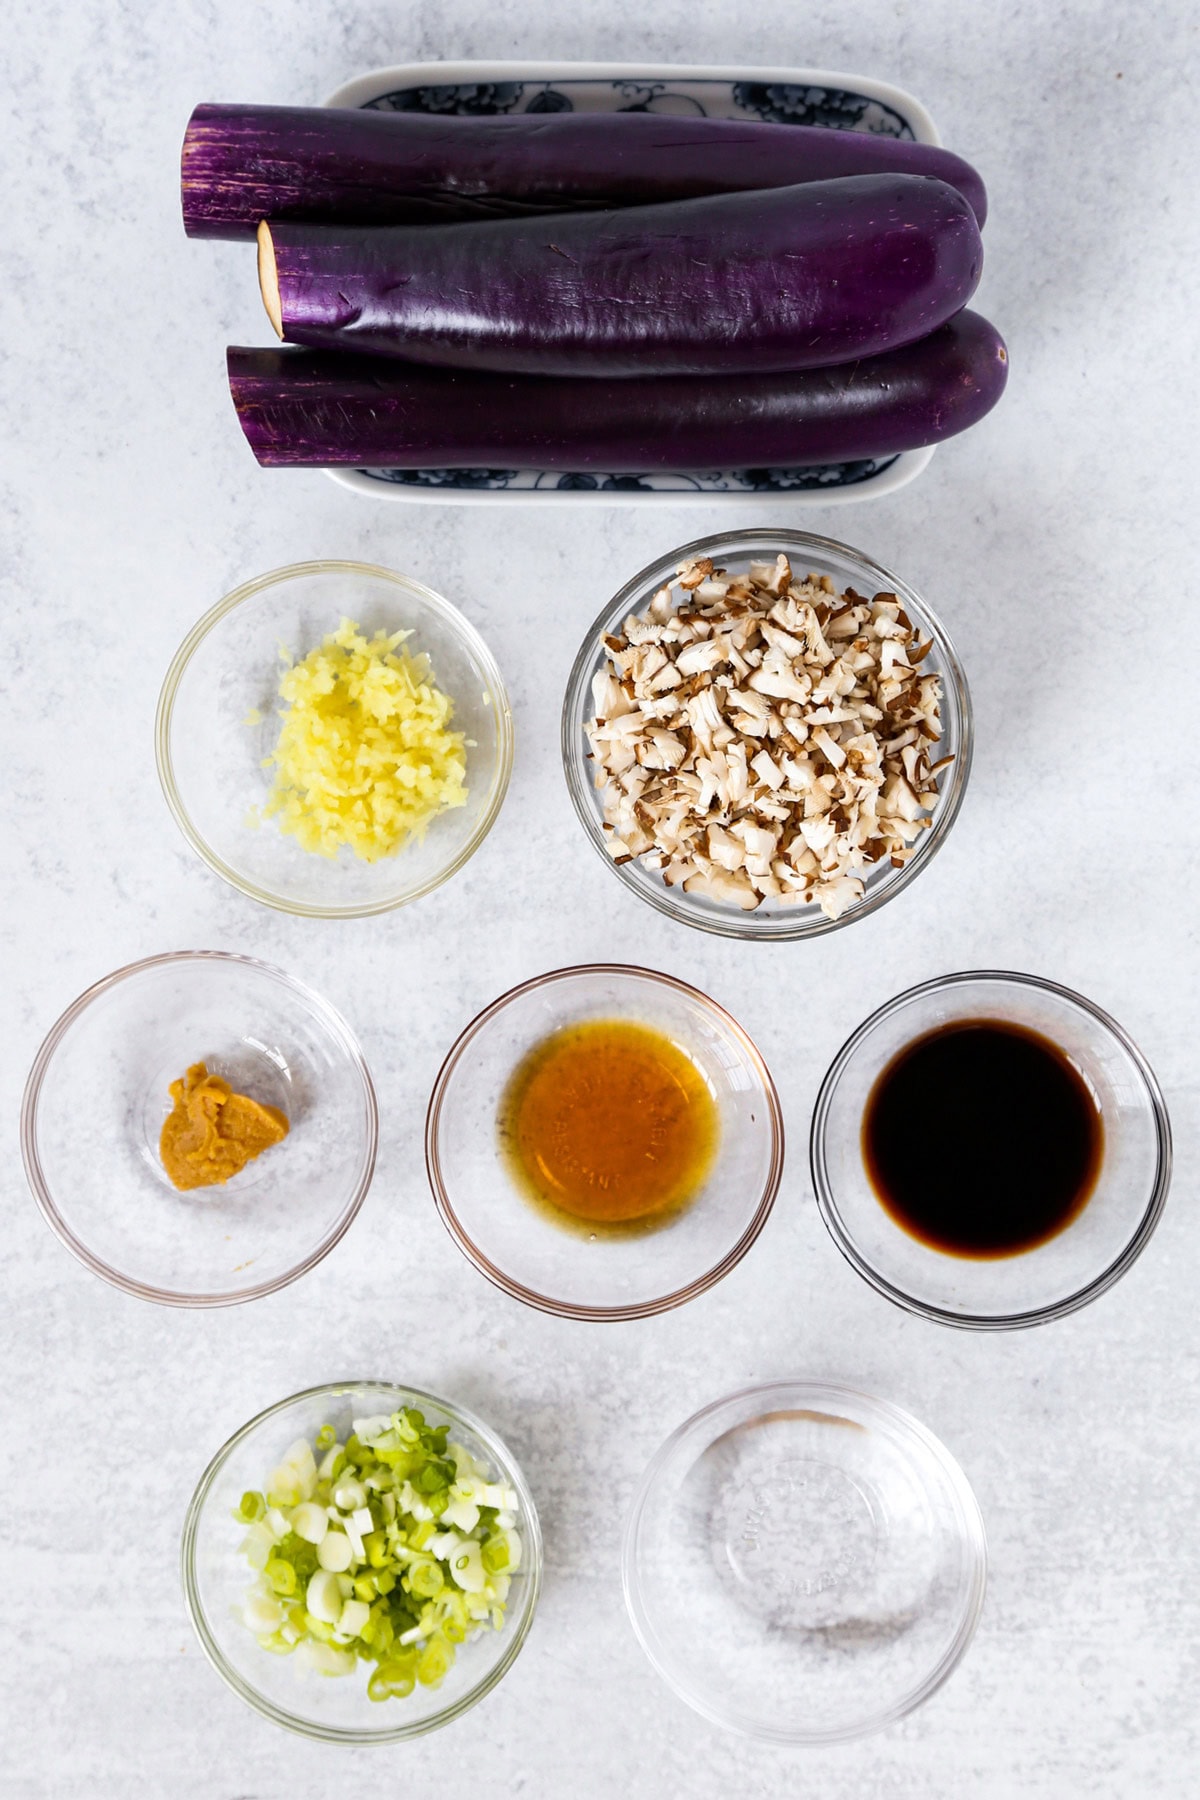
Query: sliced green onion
x,y
310,1521
495,1555
354,1615
302,1556
429,1480
335,1552
426,1579
435,1662
323,1597
262,1615
281,1576
391,1550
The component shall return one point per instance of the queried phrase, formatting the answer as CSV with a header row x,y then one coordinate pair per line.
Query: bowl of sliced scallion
x,y
361,1562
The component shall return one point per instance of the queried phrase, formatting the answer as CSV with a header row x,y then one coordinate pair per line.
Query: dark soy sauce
x,y
982,1139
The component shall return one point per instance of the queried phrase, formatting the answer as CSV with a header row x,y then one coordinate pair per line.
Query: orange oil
x,y
609,1124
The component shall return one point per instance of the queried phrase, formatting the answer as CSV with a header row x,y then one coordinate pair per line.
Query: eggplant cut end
x,y
268,277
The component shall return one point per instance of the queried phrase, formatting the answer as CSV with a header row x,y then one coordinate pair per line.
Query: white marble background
x,y
1058,541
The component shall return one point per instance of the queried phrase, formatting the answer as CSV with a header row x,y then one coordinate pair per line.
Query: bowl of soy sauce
x,y
990,1150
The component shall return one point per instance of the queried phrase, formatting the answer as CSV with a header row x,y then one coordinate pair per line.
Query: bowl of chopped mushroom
x,y
766,734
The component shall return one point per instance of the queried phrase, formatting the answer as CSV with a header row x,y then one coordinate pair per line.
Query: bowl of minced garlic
x,y
334,739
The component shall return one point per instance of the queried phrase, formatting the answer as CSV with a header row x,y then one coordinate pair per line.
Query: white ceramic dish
x,y
785,96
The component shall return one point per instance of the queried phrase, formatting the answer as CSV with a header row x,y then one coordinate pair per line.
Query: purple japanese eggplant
x,y
315,409
778,279
326,165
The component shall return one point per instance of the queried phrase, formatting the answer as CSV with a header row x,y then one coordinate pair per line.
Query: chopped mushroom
x,y
760,737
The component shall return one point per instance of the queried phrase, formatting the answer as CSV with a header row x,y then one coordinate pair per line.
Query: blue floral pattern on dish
x,y
832,107
727,481
471,99
783,103
836,109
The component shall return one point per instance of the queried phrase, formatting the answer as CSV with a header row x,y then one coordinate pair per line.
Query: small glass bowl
x,y
210,757
803,1563
94,1108
1032,1286
216,1576
563,1269
845,567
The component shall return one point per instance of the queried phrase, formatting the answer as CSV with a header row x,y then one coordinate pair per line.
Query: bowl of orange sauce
x,y
604,1142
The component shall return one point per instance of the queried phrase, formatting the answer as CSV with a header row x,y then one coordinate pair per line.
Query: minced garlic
x,y
365,758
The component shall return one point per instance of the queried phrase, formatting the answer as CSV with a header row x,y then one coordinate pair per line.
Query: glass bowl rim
x,y
743,926
1038,1315
40,1187
642,1309
460,626
531,1537
972,1535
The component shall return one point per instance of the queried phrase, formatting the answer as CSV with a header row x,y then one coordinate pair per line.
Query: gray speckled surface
x,y
1059,543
